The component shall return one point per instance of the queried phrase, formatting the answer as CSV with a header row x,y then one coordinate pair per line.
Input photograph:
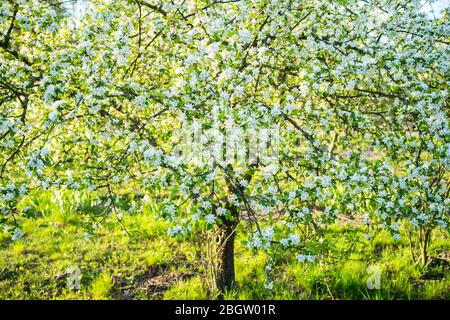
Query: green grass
x,y
146,264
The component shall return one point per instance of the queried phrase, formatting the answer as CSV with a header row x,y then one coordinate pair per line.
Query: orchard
x,y
258,123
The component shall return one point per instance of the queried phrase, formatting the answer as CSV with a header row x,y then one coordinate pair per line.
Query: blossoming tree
x,y
350,97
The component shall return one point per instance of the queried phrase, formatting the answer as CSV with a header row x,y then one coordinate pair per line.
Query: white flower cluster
x,y
178,230
306,258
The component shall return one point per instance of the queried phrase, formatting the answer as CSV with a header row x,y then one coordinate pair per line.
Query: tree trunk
x,y
225,275
220,254
424,246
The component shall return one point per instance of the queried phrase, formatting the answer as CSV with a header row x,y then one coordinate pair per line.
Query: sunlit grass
x,y
147,264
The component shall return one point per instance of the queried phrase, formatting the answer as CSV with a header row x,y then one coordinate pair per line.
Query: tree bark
x,y
225,273
426,236
220,254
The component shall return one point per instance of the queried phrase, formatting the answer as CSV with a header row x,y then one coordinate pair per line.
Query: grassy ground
x,y
150,265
